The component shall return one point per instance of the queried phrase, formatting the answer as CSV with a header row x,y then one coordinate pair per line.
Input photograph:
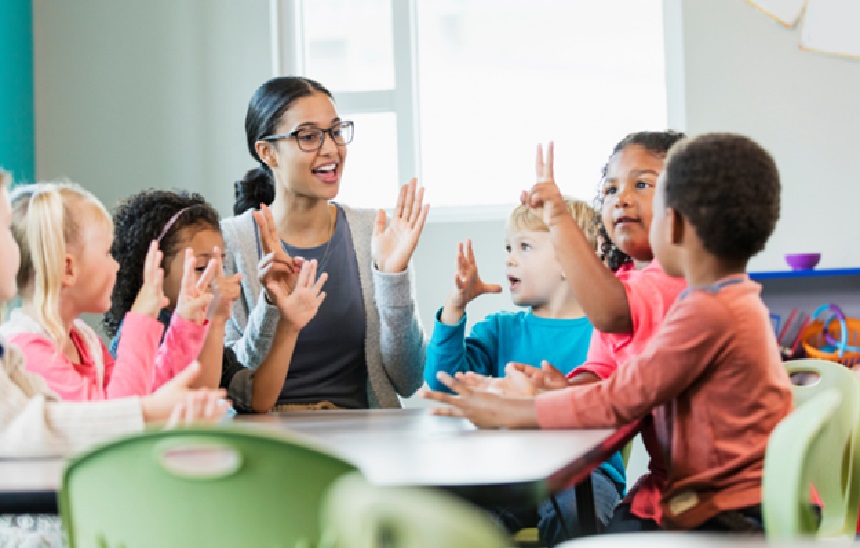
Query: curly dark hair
x,y
656,142
138,220
728,187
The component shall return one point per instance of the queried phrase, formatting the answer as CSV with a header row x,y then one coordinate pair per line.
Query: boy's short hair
x,y
525,218
728,187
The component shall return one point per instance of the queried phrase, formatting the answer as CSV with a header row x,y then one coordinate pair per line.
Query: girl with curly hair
x,y
187,229
65,236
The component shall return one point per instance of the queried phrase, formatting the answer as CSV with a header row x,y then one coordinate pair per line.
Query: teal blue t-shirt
x,y
506,337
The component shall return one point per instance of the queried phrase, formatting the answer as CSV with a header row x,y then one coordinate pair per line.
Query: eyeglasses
x,y
311,139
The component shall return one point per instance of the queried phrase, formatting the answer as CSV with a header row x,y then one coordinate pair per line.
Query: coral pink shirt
x,y
141,366
650,294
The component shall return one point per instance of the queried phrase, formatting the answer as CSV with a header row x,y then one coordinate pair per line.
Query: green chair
x,y
356,514
810,376
814,445
198,487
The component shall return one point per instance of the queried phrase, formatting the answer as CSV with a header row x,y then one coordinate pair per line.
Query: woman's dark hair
x,y
265,109
655,142
138,220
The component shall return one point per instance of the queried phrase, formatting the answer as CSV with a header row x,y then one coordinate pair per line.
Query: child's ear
x,y
266,152
677,227
70,270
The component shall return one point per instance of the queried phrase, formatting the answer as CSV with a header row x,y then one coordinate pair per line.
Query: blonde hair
x,y
46,218
524,217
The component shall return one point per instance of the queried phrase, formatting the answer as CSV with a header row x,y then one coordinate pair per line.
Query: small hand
x,y
484,409
301,305
467,281
545,194
226,289
150,298
162,404
392,245
548,377
276,266
195,294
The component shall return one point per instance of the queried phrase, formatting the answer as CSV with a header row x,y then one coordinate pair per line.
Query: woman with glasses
x,y
366,344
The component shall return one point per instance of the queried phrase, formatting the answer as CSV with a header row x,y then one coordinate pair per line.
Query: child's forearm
x,y
454,309
211,356
601,295
269,377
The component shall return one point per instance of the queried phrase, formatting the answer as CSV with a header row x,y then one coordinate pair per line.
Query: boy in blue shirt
x,y
553,328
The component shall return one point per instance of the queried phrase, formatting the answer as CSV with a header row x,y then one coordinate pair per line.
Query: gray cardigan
x,y
394,342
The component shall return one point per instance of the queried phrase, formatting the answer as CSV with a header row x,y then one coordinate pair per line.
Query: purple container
x,y
802,261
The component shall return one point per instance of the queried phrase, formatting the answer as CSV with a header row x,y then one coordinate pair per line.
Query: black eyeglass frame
x,y
330,131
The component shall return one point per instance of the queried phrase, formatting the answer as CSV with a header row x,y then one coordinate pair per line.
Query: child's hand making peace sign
x,y
195,295
545,193
468,285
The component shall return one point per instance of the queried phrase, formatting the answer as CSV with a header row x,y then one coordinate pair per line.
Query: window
x,y
459,92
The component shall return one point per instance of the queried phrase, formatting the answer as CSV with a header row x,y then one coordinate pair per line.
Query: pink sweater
x,y
650,295
141,366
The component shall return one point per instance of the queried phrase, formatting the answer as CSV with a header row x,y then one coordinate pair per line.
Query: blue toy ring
x,y
841,345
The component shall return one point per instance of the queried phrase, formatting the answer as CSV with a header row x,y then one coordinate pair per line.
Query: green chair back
x,y
198,487
814,445
811,376
356,514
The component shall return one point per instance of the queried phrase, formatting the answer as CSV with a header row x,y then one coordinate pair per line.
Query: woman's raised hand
x,y
151,299
545,193
277,271
300,306
394,242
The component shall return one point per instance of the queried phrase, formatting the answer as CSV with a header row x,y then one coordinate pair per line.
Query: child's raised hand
x,y
226,290
467,283
276,268
195,295
545,193
392,243
151,299
300,306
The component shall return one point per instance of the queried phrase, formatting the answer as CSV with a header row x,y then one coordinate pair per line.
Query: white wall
x,y
745,73
138,94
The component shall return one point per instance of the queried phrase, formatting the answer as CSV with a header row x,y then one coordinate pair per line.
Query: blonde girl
x,y
65,236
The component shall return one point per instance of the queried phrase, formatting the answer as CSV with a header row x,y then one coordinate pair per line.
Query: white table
x,y
393,447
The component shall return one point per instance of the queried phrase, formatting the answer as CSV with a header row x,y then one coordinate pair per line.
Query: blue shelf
x,y
799,274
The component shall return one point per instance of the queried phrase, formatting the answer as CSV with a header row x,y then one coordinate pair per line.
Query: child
x,y
34,423
65,235
183,221
553,328
639,292
712,372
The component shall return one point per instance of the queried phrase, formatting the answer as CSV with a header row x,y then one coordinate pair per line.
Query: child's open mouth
x,y
514,283
621,221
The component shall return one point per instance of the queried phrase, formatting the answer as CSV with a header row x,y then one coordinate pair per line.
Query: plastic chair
x,y
814,445
356,514
811,376
198,487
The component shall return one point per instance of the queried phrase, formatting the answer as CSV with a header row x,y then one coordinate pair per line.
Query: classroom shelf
x,y
800,274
